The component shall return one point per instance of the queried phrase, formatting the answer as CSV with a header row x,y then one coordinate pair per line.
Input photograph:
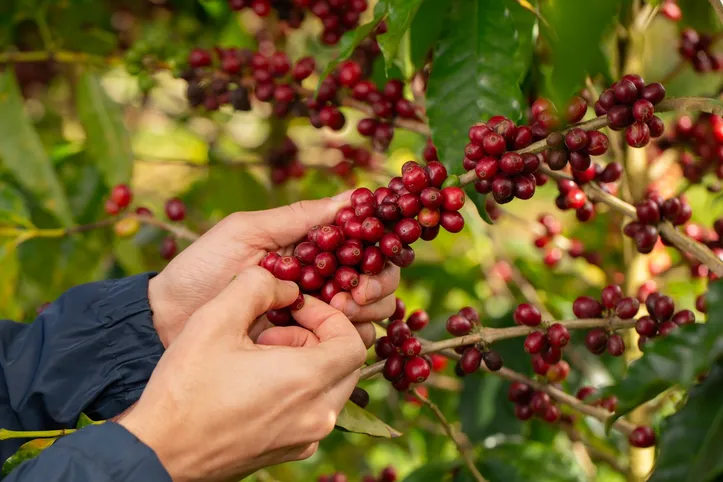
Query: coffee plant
x,y
547,174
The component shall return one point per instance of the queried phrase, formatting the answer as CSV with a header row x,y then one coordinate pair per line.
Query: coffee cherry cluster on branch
x,y
530,402
608,403
464,322
696,48
388,474
630,104
337,16
553,252
545,345
651,212
701,143
662,318
378,227
386,103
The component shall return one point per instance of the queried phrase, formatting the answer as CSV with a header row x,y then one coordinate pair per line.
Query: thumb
x,y
285,225
252,293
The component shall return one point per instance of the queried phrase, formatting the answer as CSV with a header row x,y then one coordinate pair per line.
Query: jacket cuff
x,y
112,451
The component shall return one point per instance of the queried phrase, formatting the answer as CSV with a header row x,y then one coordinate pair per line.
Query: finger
x,y
294,336
373,288
378,311
341,351
367,333
259,326
252,293
285,225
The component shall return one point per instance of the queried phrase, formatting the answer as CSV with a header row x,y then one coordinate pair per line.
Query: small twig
x,y
491,335
463,448
718,7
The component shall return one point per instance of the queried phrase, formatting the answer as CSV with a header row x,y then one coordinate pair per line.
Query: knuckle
x,y
387,307
325,424
309,451
358,352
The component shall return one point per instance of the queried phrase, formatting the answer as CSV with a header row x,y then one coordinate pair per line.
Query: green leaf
x,y
525,23
575,32
22,153
107,140
434,472
691,439
676,359
351,39
399,18
355,419
26,451
426,28
13,210
9,279
84,421
479,201
473,78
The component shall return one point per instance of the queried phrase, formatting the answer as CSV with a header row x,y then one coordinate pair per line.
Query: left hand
x,y
206,267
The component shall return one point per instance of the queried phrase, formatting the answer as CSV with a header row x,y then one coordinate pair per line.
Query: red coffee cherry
x,y
471,359
576,139
393,367
417,369
469,313
410,204
372,230
411,347
280,317
418,320
384,348
587,307
452,221
519,393
402,384
683,317
611,295
539,402
585,392
399,311
625,91
492,360
388,474
398,331
346,278
169,248
654,92
523,412
329,290
437,173
539,365
646,326
175,209
666,328
627,308
558,335
596,341
408,230
287,268
535,342
269,261
373,261
306,252
429,218
452,198
642,437
325,264
643,110
527,314
551,354
199,58
648,212
404,258
415,179
362,195
663,308
458,325
637,135
390,244
121,195
616,345
310,279
597,143
552,414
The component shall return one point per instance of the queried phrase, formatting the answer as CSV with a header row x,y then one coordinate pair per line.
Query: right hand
x,y
220,407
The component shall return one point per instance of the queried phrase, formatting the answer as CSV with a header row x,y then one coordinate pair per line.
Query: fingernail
x,y
374,290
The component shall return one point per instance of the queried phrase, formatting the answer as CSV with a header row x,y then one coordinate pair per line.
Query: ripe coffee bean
x,y
362,195
625,91
408,230
471,359
616,345
399,311
437,173
585,392
519,393
325,264
329,237
494,144
576,139
580,161
346,278
269,261
280,317
648,212
306,252
458,325
452,221
310,280
175,209
656,127
558,335
523,412
384,347
329,290
619,117
511,163
411,347
393,367
557,160
398,332
611,173
650,301
610,296
666,328
121,195
415,179
539,402
551,354
684,317
410,204
642,437
344,215
502,188
402,384
418,320
627,308
365,210
596,341
404,258
429,218
492,360
287,268
417,369
654,92
527,314
663,308
646,326
643,110
470,313
597,143
587,307
373,261
638,134
372,230
539,365
645,238
452,198
535,342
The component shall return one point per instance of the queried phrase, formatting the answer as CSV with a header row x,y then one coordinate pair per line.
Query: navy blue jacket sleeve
x,y
92,350
99,453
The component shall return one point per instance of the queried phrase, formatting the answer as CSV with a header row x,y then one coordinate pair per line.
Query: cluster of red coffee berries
x,y
650,212
613,304
530,402
119,199
695,47
553,252
630,104
404,366
608,403
284,162
337,16
661,319
464,322
388,474
546,345
704,137
547,119
360,157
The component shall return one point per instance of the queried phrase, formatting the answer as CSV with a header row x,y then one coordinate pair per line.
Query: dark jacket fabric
x,y
93,351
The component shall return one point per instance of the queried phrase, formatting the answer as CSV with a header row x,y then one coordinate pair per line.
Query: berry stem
x,y
491,335
464,449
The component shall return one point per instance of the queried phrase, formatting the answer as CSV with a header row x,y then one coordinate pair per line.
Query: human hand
x,y
219,407
242,239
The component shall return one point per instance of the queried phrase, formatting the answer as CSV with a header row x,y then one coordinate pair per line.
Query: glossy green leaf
x,y
351,39
400,15
435,472
107,140
355,419
13,210
691,439
26,451
22,153
426,28
473,78
576,32
525,24
676,359
84,421
9,279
